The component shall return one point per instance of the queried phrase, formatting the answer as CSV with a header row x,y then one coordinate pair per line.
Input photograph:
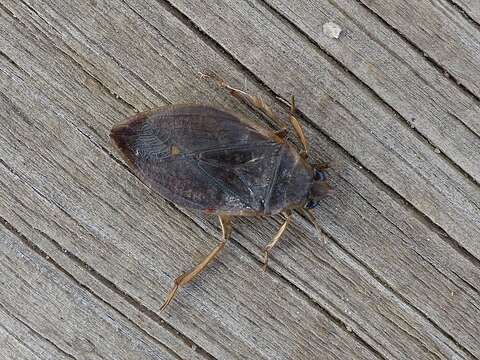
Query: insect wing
x,y
200,157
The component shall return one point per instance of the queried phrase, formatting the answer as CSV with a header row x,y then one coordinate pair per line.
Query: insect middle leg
x,y
185,278
278,235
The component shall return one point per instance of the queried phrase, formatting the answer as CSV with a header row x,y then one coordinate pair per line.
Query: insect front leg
x,y
278,235
184,279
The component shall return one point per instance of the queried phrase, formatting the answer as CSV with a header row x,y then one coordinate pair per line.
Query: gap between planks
x,y
464,12
431,60
454,7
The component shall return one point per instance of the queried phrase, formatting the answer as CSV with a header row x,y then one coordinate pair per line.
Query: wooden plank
x,y
439,30
60,314
424,98
399,331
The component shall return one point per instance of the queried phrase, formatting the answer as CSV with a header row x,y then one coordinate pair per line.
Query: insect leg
x,y
321,166
185,278
297,127
257,103
311,218
278,235
253,101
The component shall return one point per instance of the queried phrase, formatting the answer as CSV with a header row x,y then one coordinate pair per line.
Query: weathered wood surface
x,y
471,8
88,251
441,30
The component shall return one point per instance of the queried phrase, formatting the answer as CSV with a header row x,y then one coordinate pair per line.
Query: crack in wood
x,y
429,58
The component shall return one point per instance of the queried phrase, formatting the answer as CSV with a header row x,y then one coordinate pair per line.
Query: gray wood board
x,y
441,31
382,281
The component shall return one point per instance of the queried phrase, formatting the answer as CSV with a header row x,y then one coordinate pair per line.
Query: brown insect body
x,y
207,159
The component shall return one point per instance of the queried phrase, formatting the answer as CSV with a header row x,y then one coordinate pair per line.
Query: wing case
x,y
207,159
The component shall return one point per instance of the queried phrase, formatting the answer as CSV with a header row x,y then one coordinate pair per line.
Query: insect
x,y
207,159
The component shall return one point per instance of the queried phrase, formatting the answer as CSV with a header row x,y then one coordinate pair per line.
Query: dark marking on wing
x,y
273,180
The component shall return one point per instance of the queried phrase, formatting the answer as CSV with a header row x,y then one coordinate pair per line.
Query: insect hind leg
x,y
253,101
257,103
185,278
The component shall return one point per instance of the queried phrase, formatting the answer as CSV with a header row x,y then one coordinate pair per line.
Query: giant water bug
x,y
204,158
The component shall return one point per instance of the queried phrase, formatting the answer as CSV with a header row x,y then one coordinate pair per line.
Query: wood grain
x,y
439,30
62,318
470,8
381,281
426,99
20,342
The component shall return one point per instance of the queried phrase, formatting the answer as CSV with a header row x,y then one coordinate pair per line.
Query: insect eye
x,y
310,204
319,175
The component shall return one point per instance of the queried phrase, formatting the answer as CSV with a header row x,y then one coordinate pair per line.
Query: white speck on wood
x,y
332,30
